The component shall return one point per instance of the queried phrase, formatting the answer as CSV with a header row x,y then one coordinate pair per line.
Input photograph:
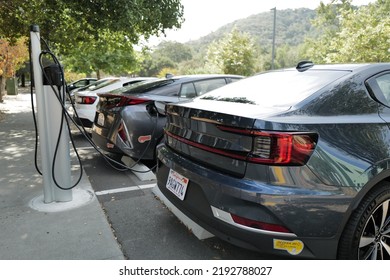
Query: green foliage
x,y
151,65
176,52
166,71
167,55
111,52
234,54
91,34
351,34
81,19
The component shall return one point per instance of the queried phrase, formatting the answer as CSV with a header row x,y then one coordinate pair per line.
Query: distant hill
x,y
292,25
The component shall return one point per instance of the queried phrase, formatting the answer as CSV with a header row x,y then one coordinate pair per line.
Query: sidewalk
x,y
56,231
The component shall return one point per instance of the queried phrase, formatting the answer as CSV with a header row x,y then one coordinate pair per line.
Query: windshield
x,y
271,89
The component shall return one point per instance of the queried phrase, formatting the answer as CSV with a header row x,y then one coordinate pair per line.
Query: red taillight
x,y
259,225
111,101
278,148
87,99
127,100
282,147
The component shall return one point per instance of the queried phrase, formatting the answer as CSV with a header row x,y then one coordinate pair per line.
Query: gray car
x,y
130,121
293,162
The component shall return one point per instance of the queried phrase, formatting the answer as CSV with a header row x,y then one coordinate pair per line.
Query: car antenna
x,y
168,75
304,65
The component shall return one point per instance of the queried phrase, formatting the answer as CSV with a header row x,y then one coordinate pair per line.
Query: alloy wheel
x,y
374,241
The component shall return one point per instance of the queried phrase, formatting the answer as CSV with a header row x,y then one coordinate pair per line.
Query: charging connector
x,y
53,75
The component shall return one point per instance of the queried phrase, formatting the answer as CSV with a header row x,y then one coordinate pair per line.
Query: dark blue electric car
x,y
293,162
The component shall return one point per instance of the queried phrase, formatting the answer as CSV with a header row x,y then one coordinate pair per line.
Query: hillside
x,y
291,28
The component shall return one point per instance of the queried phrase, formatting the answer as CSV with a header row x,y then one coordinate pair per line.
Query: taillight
x,y
125,101
282,147
111,101
86,100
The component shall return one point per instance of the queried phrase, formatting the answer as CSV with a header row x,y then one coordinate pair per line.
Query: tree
x,y
67,22
12,57
365,34
111,53
151,66
70,25
351,34
234,54
167,55
175,51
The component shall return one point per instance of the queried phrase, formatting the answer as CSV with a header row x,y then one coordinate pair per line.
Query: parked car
x,y
293,162
130,121
80,83
86,100
92,85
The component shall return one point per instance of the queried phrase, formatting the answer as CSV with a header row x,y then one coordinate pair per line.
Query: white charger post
x,y
50,114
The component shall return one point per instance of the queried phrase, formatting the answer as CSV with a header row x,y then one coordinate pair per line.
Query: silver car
x,y
130,121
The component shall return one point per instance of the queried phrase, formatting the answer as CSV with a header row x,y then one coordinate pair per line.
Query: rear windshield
x,y
146,86
105,83
274,89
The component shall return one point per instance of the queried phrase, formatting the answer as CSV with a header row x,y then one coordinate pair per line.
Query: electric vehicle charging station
x,y
53,137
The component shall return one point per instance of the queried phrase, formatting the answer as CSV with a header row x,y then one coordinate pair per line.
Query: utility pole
x,y
273,40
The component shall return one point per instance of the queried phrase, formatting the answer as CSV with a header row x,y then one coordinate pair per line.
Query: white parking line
x,y
126,189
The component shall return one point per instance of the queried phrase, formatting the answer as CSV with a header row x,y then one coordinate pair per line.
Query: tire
x,y
367,233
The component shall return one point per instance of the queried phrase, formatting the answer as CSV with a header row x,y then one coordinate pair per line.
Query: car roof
x,y
351,67
203,76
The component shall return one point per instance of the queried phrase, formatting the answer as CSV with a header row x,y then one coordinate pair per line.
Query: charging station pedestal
x,y
55,158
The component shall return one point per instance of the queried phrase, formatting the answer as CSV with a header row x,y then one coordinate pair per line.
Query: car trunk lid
x,y
214,138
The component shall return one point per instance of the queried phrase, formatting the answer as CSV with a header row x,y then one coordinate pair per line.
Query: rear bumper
x,y
82,121
210,195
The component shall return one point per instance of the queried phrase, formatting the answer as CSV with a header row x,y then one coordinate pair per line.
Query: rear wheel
x,y
367,234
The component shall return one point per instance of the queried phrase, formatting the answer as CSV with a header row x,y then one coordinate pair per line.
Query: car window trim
x,y
375,91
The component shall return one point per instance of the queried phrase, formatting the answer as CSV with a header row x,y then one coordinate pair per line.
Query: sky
x,y
205,16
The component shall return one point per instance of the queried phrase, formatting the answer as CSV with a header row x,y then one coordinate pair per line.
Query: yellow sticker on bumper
x,y
294,247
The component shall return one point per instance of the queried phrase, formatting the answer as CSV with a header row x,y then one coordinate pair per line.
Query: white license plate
x,y
100,119
177,184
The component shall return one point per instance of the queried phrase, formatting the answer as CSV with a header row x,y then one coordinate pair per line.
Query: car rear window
x,y
273,89
146,86
106,83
